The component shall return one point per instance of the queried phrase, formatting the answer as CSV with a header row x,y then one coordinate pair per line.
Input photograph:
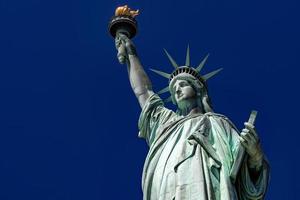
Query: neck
x,y
196,110
190,109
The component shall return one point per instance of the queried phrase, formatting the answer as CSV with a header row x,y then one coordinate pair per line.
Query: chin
x,y
182,102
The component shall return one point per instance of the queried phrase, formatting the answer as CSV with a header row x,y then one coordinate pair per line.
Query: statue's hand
x,y
130,48
250,140
125,47
120,46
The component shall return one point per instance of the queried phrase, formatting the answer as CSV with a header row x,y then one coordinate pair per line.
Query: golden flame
x,y
125,10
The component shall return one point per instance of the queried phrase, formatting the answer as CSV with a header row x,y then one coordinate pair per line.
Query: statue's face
x,y
183,91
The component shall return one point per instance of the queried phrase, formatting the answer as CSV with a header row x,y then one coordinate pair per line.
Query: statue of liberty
x,y
194,153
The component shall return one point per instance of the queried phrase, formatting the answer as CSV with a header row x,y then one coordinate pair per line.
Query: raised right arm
x,y
139,81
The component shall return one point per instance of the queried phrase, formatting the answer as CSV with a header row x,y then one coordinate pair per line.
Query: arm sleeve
x,y
153,116
247,187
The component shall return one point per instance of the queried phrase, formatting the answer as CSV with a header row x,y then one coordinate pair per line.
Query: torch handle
x,y
121,52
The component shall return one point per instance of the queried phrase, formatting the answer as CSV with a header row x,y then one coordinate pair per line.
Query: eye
x,y
183,84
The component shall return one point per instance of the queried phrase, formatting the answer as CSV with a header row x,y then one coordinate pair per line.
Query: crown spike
x,y
171,59
169,99
200,66
187,58
166,89
211,74
164,74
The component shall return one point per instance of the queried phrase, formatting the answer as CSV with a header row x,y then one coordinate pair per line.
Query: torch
x,y
123,22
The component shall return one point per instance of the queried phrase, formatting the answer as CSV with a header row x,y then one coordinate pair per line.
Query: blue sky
x,y
68,117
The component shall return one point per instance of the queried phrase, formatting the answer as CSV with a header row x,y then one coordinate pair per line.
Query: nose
x,y
177,89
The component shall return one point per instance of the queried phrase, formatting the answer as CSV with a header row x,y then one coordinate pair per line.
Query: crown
x,y
185,71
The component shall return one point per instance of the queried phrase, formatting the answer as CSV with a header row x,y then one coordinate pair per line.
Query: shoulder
x,y
220,118
215,116
155,112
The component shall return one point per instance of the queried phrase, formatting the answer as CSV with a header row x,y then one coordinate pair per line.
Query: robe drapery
x,y
197,157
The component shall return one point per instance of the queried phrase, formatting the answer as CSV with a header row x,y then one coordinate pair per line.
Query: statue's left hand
x,y
250,140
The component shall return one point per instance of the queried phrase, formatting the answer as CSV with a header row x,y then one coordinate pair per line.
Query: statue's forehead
x,y
180,80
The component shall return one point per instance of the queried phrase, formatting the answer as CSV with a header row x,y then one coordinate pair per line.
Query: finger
x,y
243,142
242,139
251,129
244,133
122,59
249,125
123,37
245,130
248,138
117,43
120,39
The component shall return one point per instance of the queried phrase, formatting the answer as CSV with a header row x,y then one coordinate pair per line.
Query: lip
x,y
179,96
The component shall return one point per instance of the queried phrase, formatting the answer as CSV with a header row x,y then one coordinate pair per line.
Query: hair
x,y
203,100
